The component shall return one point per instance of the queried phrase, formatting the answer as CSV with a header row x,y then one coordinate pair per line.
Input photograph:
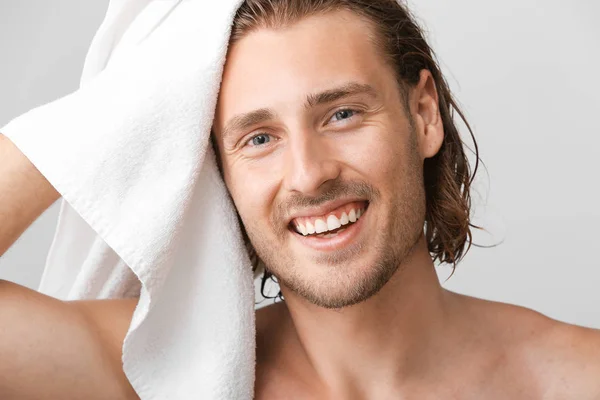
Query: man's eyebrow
x,y
331,95
242,122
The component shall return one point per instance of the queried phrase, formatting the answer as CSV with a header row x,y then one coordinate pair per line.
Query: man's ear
x,y
428,121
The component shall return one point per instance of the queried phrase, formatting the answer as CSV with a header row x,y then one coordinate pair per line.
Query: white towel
x,y
143,200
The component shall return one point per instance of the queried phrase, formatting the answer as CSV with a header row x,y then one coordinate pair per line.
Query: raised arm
x,y
52,349
24,193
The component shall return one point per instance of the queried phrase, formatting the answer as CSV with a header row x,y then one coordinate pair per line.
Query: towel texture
x,y
144,211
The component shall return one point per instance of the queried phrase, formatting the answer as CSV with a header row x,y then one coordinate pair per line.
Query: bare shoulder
x,y
569,360
109,319
559,360
54,349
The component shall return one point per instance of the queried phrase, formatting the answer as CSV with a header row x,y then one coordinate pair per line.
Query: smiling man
x,y
336,140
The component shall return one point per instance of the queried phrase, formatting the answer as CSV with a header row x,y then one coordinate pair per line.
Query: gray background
x,y
526,74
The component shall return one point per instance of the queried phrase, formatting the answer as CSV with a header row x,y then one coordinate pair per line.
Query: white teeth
x,y
344,220
310,229
333,223
320,226
330,224
352,216
302,229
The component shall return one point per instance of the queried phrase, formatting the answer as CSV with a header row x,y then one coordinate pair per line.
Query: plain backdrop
x,y
526,74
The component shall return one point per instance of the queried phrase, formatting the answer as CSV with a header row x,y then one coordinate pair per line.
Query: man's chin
x,y
339,289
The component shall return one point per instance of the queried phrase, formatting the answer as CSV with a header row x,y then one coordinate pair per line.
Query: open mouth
x,y
330,224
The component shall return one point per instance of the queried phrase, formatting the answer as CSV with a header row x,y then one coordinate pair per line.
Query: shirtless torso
x,y
498,351
72,350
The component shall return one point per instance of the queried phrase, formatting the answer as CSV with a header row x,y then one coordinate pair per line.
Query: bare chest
x,y
500,385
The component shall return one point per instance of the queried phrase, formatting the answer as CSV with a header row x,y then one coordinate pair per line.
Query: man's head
x,y
333,112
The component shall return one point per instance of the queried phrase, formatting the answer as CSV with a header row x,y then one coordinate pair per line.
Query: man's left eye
x,y
344,114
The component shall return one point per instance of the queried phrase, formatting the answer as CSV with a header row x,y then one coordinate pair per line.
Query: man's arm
x,y
50,349
24,193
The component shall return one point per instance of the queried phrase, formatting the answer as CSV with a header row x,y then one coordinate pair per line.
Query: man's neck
x,y
378,343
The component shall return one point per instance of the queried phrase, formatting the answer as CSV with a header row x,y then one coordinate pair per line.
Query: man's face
x,y
313,135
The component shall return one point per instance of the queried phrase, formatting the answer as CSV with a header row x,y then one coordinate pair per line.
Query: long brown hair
x,y
447,175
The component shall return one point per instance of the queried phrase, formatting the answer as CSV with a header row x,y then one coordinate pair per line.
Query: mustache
x,y
332,191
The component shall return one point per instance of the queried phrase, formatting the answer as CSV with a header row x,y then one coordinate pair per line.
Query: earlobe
x,y
431,129
433,138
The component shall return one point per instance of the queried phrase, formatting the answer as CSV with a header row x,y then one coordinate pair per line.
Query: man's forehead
x,y
311,63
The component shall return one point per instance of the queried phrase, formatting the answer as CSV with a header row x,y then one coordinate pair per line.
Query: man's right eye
x,y
259,140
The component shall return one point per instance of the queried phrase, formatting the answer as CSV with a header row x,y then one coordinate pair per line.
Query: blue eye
x,y
344,114
260,140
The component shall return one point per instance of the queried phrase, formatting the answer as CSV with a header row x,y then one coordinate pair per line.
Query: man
x,y
336,150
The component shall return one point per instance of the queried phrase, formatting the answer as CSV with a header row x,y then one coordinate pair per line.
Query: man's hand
x,y
24,193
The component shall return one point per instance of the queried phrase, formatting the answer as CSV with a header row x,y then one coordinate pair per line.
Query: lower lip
x,y
337,242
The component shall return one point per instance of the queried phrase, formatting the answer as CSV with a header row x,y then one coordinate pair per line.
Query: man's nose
x,y
310,163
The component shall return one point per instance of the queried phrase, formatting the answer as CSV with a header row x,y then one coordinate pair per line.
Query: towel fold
x,y
145,211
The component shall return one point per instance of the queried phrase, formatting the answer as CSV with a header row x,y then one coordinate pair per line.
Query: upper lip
x,y
322,209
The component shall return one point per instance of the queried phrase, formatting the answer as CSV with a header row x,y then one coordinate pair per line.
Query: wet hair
x,y
401,41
